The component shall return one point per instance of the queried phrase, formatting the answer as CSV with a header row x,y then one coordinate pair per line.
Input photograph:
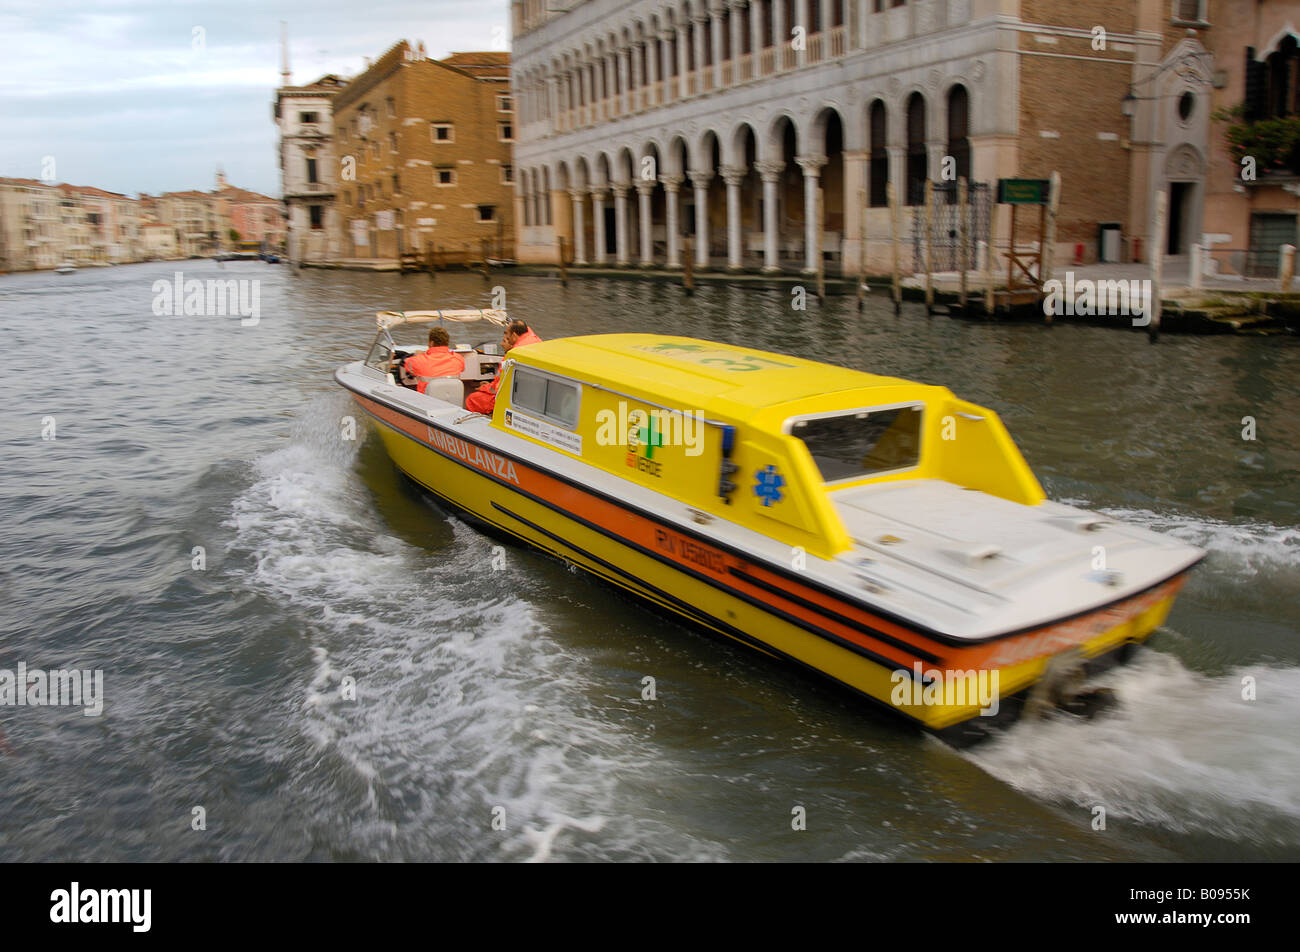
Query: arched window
x,y
879,155
918,166
959,130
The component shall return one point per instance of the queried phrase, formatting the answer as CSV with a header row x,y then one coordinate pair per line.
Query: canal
x,y
182,511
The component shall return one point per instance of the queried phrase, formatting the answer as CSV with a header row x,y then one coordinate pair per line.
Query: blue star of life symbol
x,y
768,486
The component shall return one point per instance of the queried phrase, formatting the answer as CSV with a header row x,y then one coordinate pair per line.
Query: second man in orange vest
x,y
517,334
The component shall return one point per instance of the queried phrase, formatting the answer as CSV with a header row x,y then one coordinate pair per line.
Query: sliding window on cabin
x,y
547,397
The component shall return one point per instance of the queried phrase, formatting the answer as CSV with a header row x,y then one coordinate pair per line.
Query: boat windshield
x,y
381,352
863,442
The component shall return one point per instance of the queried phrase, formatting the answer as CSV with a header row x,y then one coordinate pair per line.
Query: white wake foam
x,y
1182,750
468,709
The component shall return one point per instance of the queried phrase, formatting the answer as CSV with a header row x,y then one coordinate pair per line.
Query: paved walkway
x,y
1177,276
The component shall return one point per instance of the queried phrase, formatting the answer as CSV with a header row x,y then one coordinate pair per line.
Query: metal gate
x,y
944,231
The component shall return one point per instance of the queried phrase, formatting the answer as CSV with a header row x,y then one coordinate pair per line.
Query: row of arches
x,y
749,195
690,47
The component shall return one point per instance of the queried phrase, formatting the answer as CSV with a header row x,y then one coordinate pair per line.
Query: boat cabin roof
x,y
696,373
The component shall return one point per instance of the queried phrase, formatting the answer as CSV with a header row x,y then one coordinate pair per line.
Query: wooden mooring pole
x,y
817,247
1157,265
862,249
929,247
963,236
891,196
564,270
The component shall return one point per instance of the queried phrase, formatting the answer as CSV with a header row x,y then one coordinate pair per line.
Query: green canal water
x,y
516,694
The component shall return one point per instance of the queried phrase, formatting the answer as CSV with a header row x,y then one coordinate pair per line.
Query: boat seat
x,y
445,388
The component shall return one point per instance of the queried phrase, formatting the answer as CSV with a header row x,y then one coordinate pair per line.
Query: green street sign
x,y
1019,191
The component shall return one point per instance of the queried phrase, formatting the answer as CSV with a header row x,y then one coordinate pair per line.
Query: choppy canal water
x,y
521,689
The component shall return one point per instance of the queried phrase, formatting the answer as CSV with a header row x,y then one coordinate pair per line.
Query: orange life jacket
x,y
526,338
434,362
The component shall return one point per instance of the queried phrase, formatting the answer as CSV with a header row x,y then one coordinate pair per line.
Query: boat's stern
x,y
1020,604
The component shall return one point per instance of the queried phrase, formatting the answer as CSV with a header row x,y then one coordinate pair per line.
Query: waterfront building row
x,y
44,224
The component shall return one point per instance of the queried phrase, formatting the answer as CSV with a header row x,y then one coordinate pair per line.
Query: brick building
x,y
425,153
1251,212
644,121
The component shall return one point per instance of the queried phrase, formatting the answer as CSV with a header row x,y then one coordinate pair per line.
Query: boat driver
x,y
437,361
517,334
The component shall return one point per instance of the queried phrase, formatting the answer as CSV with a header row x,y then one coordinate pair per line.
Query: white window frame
x,y
1202,14
507,179
571,425
478,214
437,177
433,132
501,137
506,99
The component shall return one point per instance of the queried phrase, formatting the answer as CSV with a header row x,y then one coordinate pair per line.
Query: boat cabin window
x,y
556,400
863,442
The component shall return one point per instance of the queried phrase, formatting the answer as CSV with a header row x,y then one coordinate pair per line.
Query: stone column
x,y
756,18
935,155
801,19
579,232
671,184
780,32
681,62
771,174
700,179
737,39
598,196
624,71
812,166
644,189
652,55
855,190
666,59
733,176
620,223
636,90
701,38
898,172
827,14
715,40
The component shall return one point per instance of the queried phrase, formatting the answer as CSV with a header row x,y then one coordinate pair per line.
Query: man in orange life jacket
x,y
517,334
437,361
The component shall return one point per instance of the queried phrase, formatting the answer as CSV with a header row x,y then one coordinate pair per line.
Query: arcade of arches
x,y
746,198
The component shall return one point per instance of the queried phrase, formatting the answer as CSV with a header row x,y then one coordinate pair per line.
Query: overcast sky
x,y
153,95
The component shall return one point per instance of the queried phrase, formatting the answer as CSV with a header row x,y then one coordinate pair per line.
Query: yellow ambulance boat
x,y
883,533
